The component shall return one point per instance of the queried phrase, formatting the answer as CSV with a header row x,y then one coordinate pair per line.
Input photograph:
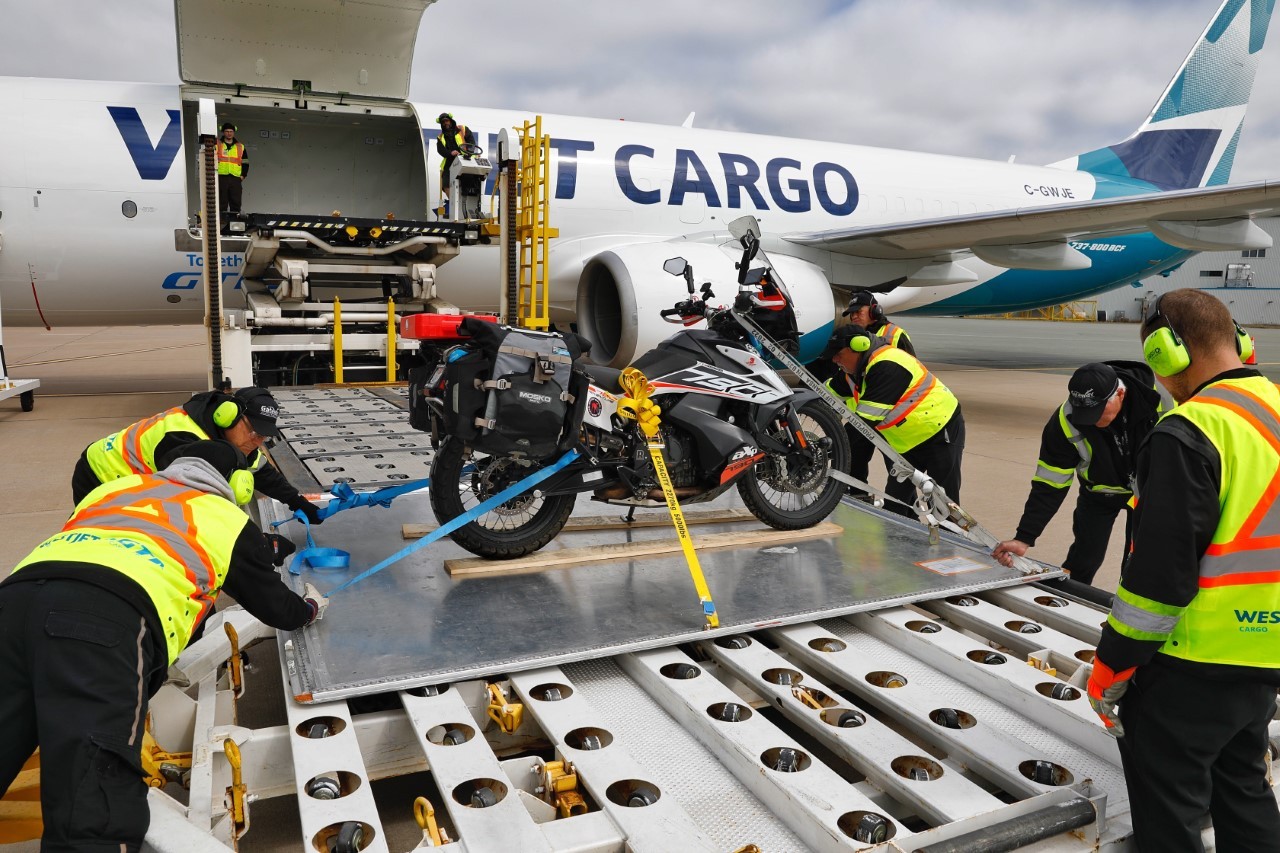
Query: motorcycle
x,y
728,420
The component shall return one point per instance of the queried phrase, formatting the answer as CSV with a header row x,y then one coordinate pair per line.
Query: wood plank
x,y
568,557
579,524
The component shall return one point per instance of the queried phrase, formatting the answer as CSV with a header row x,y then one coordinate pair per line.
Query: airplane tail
x,y
1189,139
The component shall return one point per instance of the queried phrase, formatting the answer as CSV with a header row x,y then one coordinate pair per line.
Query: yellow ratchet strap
x,y
638,407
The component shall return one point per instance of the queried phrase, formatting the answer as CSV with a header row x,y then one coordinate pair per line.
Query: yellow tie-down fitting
x,y
638,407
507,715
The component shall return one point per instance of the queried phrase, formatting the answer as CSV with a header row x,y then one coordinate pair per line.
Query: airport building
x,y
1248,281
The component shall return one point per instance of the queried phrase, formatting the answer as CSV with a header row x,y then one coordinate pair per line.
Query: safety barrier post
x,y
337,340
391,340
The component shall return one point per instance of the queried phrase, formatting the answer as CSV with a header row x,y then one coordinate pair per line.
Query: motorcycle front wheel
x,y
520,526
790,497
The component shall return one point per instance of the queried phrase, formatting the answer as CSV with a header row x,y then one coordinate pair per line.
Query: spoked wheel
x,y
518,527
789,493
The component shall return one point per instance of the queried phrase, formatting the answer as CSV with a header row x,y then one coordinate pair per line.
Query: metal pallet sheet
x,y
412,624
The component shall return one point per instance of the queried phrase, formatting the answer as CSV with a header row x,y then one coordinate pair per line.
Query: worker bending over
x,y
92,619
246,419
915,413
863,310
1187,653
1110,409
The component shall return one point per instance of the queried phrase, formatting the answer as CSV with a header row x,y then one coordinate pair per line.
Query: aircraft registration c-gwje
x,y
98,186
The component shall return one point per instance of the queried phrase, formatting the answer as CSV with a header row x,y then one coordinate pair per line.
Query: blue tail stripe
x,y
1222,172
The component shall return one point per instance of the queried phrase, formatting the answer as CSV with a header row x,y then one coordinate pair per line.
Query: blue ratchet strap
x,y
344,497
512,491
313,557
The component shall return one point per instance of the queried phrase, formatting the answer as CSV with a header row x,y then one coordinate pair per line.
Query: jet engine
x,y
621,291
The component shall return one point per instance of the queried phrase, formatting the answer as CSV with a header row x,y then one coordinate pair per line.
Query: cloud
x,y
1040,79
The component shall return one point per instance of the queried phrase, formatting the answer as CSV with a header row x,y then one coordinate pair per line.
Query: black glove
x,y
307,508
280,547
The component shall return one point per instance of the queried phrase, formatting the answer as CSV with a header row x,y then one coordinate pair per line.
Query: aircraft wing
x,y
1203,219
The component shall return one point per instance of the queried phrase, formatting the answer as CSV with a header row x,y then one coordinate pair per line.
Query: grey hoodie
x,y
198,474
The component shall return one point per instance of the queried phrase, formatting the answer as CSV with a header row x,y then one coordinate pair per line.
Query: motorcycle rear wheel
x,y
518,527
794,499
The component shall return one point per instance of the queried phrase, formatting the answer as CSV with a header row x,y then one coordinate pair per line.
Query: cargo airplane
x,y
97,182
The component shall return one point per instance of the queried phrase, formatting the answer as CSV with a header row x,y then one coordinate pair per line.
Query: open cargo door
x,y
359,47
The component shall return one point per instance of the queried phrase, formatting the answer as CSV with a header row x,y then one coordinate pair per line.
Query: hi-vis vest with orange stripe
x,y
892,333
173,541
1235,617
133,449
230,160
919,415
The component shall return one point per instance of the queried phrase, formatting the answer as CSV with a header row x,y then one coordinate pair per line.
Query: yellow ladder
x,y
533,232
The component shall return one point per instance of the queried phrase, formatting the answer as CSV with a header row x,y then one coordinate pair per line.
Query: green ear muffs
x,y
1163,350
1244,343
241,483
860,343
226,413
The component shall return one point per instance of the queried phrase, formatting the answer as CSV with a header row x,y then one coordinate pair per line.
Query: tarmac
x,y
1009,375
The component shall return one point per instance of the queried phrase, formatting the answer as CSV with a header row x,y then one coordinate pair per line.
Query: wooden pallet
x,y
583,523
567,557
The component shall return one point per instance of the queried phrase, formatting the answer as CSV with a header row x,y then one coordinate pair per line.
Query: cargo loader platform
x,y
476,626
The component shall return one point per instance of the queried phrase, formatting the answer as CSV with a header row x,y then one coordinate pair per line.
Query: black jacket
x,y
1179,477
1113,449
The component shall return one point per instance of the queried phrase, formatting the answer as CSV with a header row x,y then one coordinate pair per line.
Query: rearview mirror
x,y
675,266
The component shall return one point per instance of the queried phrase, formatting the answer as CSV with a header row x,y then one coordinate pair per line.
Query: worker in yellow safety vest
x,y
864,310
1188,665
894,393
246,418
233,168
93,618
454,140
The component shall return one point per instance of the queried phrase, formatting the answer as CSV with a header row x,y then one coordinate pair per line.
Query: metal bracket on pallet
x,y
507,715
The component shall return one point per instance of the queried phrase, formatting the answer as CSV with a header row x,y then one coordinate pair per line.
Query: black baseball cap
x,y
261,409
840,339
1089,390
226,125
859,299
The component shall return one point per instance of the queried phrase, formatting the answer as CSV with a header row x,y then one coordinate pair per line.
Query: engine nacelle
x,y
622,290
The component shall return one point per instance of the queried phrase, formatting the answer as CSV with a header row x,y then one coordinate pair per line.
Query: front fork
x,y
801,450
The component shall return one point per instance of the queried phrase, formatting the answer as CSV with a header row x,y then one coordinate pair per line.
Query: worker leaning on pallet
x,y
246,419
92,619
1110,409
1189,653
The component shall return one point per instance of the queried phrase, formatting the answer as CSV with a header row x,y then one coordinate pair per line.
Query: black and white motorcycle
x,y
728,419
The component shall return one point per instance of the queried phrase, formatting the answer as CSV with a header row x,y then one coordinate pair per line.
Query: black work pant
x,y
1195,746
939,457
77,668
1091,525
230,192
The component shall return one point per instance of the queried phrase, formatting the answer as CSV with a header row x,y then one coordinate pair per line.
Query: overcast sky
x,y
1042,79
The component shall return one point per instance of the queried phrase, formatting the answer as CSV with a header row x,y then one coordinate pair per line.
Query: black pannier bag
x,y
513,391
419,390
